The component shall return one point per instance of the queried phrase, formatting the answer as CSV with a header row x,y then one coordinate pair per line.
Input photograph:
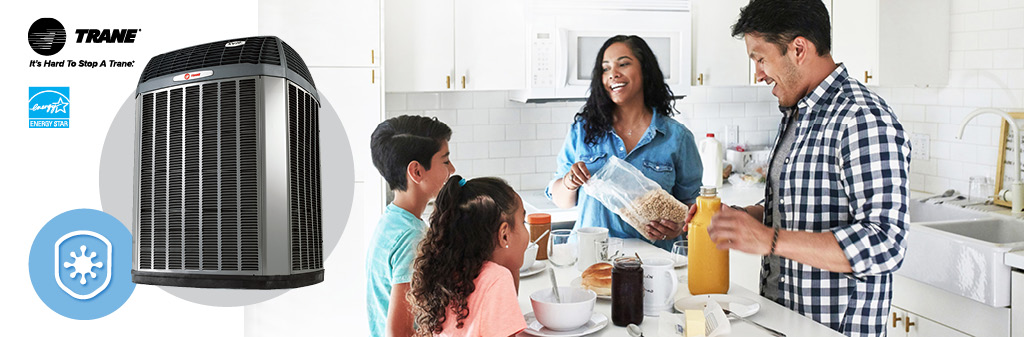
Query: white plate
x,y
578,283
680,264
739,305
538,266
597,322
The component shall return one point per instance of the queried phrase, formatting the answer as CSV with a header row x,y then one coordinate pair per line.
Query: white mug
x,y
659,285
588,254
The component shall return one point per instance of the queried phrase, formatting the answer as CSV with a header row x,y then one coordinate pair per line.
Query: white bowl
x,y
573,312
529,257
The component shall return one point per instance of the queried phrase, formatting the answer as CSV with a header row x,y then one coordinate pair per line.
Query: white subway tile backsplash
x,y
755,109
489,99
1014,38
956,59
552,131
916,180
513,180
745,124
744,94
950,168
457,100
936,185
485,133
764,93
546,164
964,41
937,114
926,96
964,78
394,101
535,115
911,113
536,181
978,59
978,97
1008,98
979,21
1013,58
473,116
504,149
521,131
503,116
1011,18
565,114
963,6
902,96
719,95
521,165
556,146
988,5
423,101
921,166
448,117
461,133
489,167
1015,78
993,39
698,94
472,150
536,147
951,96
705,110
731,110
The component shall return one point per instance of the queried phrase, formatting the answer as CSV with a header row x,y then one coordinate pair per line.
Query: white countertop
x,y
771,314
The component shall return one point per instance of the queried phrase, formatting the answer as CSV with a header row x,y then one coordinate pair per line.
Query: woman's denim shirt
x,y
666,154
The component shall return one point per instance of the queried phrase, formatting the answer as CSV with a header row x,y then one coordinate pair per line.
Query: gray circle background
x,y
117,165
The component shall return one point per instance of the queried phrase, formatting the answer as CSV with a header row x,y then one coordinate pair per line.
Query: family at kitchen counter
x,y
831,228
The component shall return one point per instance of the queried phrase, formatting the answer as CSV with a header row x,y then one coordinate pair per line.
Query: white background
x,y
44,172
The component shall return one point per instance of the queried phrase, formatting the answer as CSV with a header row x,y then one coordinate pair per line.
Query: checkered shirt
x,y
846,174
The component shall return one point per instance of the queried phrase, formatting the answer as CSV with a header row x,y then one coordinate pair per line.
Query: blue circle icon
x,y
80,264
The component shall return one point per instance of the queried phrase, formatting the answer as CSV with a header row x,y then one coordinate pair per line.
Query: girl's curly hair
x,y
462,236
596,114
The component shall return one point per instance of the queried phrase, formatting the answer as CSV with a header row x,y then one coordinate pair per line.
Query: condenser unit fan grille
x,y
256,50
304,176
198,200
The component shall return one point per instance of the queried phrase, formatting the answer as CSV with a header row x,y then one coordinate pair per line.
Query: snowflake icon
x,y
83,265
88,272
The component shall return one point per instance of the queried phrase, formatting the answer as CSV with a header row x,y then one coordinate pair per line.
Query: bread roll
x,y
598,277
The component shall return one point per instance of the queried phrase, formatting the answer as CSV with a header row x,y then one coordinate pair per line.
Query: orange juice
x,y
708,271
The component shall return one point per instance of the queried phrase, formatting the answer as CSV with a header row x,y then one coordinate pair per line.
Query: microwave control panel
x,y
542,61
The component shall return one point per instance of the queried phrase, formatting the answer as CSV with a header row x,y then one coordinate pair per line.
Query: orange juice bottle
x,y
709,266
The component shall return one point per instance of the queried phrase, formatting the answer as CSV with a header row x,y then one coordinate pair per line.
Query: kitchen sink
x,y
961,251
928,212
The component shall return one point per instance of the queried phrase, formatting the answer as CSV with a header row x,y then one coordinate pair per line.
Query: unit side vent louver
x,y
304,152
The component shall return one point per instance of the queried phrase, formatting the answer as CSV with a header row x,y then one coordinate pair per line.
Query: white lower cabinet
x,y
1017,303
905,323
935,312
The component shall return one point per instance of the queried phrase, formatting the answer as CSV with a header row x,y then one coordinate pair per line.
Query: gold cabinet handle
x,y
373,75
700,79
867,77
463,81
908,324
895,319
372,57
448,82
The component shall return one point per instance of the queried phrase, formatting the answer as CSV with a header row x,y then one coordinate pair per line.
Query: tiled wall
x,y
494,136
986,70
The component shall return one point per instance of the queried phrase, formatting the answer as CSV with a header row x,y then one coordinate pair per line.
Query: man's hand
x,y
663,229
689,216
733,229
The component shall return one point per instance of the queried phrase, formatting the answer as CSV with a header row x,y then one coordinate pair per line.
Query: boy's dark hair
x,y
401,140
781,21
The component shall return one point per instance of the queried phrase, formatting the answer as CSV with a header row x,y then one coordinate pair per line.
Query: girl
x,y
466,275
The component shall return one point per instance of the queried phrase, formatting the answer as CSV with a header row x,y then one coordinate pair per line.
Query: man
x,y
833,223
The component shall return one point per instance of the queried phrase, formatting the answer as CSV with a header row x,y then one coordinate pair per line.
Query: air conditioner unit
x,y
227,168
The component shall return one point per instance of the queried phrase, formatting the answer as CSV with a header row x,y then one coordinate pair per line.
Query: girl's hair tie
x,y
462,182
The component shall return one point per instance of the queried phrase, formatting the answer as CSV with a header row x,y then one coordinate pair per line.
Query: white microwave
x,y
564,37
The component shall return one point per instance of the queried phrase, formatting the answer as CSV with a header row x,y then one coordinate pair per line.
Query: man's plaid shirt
x,y
846,174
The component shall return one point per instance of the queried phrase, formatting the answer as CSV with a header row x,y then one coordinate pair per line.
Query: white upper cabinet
x,y
718,58
892,42
326,33
440,45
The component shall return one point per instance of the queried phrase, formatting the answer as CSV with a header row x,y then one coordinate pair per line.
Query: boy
x,y
411,153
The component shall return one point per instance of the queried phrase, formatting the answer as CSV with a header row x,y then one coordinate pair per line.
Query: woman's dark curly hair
x,y
597,113
462,236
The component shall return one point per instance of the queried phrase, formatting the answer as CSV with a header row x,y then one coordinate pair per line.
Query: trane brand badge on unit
x,y
234,44
192,75
227,169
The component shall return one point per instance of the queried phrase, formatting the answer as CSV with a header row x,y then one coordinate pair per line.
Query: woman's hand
x,y
663,229
577,175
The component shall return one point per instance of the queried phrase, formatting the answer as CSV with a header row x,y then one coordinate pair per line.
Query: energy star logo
x,y
49,107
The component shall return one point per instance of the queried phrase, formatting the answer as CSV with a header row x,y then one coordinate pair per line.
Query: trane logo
x,y
234,44
106,35
192,75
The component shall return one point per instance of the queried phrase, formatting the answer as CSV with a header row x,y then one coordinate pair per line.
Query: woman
x,y
627,115
466,276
